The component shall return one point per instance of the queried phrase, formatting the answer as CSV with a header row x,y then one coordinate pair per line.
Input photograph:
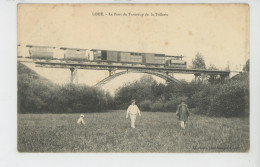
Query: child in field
x,y
81,120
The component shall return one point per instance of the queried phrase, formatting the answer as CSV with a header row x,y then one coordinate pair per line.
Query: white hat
x,y
81,115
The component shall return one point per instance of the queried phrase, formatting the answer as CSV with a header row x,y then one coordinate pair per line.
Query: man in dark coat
x,y
183,114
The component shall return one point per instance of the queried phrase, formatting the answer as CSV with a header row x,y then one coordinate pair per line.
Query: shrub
x,y
201,100
38,95
229,101
172,104
195,110
146,105
157,106
140,90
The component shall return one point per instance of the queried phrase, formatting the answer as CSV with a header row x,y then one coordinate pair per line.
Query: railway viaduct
x,y
162,72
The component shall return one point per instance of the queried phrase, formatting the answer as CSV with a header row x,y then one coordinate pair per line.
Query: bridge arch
x,y
166,77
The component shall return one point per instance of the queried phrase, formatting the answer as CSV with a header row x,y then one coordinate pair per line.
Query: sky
x,y
220,32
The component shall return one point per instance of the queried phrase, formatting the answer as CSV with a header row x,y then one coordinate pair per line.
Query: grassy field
x,y
111,132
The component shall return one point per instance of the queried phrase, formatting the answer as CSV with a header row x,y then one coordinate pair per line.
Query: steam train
x,y
108,56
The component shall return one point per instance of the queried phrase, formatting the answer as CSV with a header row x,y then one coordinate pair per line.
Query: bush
x,y
195,110
229,101
146,105
140,90
157,106
172,104
79,98
38,95
201,101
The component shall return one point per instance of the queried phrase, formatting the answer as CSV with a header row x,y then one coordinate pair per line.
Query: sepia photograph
x,y
133,78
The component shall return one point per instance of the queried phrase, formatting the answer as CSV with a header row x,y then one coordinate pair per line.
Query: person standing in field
x,y
133,110
81,120
182,114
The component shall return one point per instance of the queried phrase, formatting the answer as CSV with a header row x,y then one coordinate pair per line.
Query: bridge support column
x,y
196,76
111,72
212,78
73,75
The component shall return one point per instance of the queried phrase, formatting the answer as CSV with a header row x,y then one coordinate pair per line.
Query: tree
x,y
141,90
246,67
198,62
212,67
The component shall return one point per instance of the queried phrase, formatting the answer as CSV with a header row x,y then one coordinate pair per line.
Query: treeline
x,y
38,95
228,99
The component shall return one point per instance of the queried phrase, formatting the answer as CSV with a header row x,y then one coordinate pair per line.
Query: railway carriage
x,y
75,54
125,56
117,56
41,52
152,59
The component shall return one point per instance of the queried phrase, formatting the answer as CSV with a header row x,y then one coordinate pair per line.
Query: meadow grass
x,y
111,132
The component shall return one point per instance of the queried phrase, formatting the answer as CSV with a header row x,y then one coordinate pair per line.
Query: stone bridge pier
x,y
73,75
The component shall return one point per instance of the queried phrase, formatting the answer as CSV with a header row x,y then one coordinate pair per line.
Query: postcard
x,y
133,78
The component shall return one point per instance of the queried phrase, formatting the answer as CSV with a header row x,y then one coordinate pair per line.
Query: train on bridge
x,y
112,57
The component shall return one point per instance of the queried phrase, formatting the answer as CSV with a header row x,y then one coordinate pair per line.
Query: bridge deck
x,y
95,66
125,67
